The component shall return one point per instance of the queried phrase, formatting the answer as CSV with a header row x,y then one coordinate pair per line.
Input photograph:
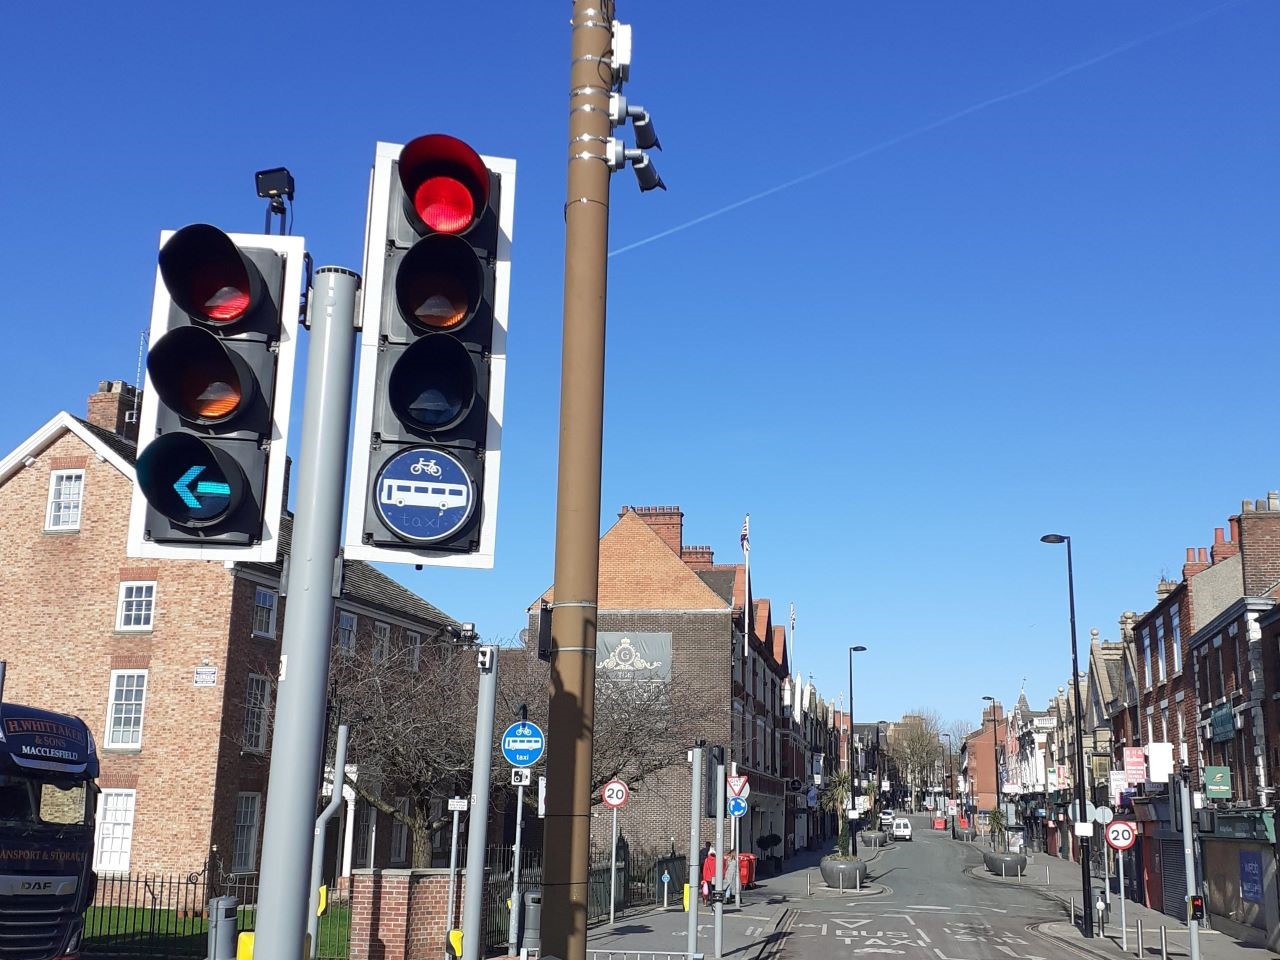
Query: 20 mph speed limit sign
x,y
615,794
1121,834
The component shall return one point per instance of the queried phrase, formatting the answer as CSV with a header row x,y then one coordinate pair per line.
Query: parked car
x,y
902,829
886,819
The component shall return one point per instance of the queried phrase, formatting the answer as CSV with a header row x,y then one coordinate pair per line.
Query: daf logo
x,y
37,886
45,886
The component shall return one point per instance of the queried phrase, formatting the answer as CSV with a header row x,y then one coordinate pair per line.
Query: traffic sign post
x,y
1120,836
739,789
615,794
522,746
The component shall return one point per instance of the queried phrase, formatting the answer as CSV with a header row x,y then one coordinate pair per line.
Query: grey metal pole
x,y
695,841
304,658
1124,928
478,821
720,860
513,931
1189,860
613,868
317,847
453,873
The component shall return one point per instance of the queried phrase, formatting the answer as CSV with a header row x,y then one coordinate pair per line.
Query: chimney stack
x,y
667,523
115,408
698,558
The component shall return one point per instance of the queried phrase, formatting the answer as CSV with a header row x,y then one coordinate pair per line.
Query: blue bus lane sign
x,y
523,743
424,494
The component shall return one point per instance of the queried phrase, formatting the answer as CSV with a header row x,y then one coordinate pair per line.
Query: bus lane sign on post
x,y
423,495
523,743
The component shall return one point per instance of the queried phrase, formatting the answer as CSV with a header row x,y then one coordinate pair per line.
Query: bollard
x,y
1164,945
1073,910
1004,870
1046,876
842,882
857,881
808,884
1140,952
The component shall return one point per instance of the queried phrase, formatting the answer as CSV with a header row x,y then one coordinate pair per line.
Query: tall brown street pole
x,y
571,713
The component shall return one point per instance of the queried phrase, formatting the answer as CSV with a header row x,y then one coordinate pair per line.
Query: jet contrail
x,y
935,124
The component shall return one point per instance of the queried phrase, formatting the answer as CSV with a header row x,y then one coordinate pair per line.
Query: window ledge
x,y
132,631
122,750
262,636
60,531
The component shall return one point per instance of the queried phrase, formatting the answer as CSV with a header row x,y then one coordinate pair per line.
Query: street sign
x,y
521,777
615,794
738,786
424,494
1120,834
1103,815
458,804
1089,811
523,743
737,807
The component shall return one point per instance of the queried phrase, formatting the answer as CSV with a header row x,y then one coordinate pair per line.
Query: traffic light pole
x,y
571,709
304,663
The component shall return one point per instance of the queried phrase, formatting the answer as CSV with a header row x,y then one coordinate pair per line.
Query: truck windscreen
x,y
43,803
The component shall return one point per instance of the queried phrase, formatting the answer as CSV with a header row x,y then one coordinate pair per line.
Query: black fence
x,y
166,916
639,883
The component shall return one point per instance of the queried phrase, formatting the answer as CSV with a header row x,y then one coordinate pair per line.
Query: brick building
x,y
171,663
683,614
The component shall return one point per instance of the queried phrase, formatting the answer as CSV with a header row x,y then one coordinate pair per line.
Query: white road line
x,y
923,936
924,906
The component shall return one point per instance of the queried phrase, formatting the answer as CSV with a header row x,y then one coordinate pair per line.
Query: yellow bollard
x,y
244,946
454,946
686,898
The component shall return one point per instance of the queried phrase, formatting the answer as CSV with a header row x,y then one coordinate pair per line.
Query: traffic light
x,y
215,410
1197,908
715,761
428,427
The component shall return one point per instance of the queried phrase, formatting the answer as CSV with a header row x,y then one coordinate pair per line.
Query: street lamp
x,y
1087,924
852,651
995,751
951,772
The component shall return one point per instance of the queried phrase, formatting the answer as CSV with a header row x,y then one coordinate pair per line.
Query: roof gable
x,y
639,571
113,451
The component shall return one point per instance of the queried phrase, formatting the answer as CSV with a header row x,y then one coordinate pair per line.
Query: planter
x,y
873,838
843,874
966,833
1005,864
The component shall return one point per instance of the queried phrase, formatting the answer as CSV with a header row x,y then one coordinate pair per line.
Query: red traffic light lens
x,y
444,204
438,283
446,184
207,276
196,375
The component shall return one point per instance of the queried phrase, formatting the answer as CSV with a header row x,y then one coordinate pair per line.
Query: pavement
x,y
930,899
1060,880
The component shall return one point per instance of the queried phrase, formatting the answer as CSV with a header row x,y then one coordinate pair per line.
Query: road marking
x,y
923,936
924,906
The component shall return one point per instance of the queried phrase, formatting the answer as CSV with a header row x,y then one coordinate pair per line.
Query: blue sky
x,y
1008,306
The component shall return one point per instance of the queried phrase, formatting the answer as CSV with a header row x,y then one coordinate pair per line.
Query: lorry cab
x,y
48,768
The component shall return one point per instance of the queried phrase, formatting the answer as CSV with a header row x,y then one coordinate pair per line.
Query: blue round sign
x,y
737,807
523,743
424,494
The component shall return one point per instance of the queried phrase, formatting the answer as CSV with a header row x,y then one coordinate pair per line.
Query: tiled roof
x,y
720,579
365,585
127,450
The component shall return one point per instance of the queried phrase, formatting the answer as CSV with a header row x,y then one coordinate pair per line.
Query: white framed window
x,y
114,834
346,633
1146,654
66,493
256,698
381,642
135,609
363,842
244,851
400,832
1160,647
125,704
413,641
264,612
1176,625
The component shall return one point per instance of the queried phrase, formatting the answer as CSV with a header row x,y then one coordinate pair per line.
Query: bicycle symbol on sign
x,y
429,467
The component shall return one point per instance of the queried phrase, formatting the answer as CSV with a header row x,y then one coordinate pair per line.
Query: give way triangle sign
x,y
738,786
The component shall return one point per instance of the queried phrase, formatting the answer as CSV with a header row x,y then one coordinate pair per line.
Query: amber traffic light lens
x,y
438,283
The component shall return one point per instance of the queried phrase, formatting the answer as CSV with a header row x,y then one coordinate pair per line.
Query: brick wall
x,y
400,914
58,599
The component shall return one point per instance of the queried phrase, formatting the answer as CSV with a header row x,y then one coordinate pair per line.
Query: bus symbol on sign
x,y
523,744
424,494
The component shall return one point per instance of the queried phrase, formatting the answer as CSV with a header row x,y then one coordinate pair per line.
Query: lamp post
x,y
951,772
1087,924
852,651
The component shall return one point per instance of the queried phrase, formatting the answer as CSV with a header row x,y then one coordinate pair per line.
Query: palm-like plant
x,y
996,822
835,798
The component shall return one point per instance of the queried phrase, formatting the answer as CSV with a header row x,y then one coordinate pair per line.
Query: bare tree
x,y
916,746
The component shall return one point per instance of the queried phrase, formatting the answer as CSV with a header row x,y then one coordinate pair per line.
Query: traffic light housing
x,y
428,424
215,408
714,760
1197,908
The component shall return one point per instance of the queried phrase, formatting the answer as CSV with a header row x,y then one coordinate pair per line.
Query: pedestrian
x,y
708,873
